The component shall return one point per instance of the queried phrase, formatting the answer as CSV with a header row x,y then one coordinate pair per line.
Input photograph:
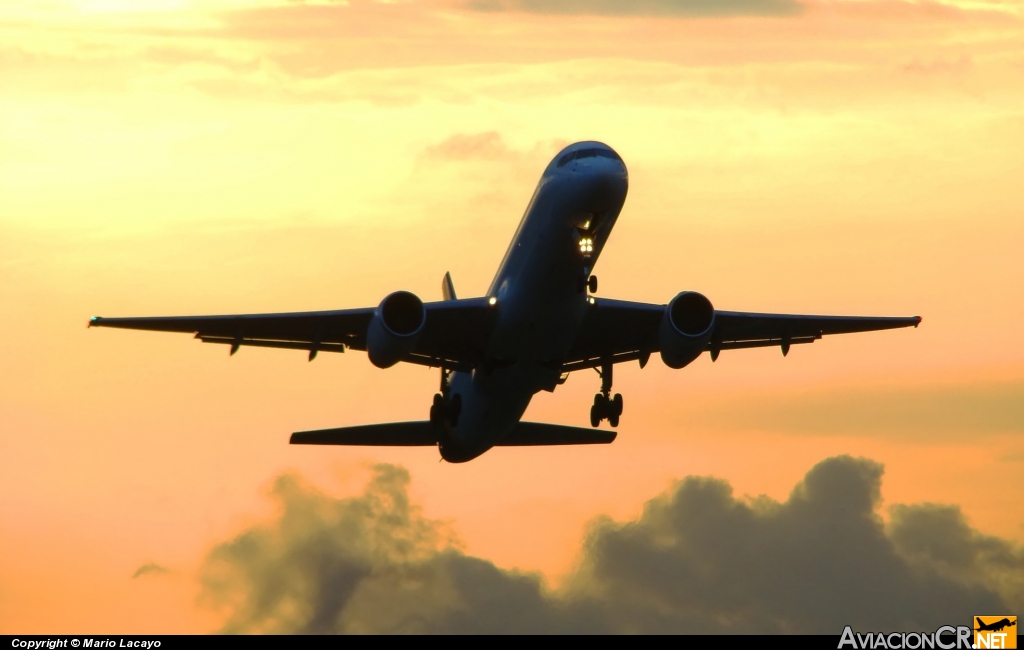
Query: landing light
x,y
586,245
492,301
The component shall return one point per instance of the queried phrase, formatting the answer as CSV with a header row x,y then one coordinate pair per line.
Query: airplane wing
x,y
423,434
625,331
454,335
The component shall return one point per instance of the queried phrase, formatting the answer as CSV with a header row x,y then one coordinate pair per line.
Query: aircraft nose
x,y
606,180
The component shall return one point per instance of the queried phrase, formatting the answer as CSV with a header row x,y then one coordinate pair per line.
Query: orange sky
x,y
185,157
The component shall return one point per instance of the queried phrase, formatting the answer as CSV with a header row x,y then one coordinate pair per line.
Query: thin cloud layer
x,y
645,7
914,412
697,560
149,569
471,146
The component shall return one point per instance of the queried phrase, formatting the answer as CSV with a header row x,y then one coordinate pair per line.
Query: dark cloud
x,y
644,7
938,540
149,569
697,560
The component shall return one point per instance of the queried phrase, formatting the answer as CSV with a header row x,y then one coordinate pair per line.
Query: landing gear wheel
x,y
445,410
614,409
599,411
592,284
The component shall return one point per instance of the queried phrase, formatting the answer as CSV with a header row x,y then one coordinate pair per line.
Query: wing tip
x,y
917,321
94,321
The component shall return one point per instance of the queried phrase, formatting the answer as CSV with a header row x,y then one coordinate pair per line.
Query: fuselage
x,y
539,295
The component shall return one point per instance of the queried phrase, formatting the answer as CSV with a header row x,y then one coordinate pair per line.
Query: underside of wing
x,y
737,330
454,331
328,329
616,331
425,434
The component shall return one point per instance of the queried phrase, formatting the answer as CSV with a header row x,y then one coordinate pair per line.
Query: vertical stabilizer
x,y
447,288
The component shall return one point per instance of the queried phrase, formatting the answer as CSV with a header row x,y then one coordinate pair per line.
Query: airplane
x,y
994,627
539,321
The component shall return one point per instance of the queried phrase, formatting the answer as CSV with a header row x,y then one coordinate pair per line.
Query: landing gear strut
x,y
606,407
446,407
584,282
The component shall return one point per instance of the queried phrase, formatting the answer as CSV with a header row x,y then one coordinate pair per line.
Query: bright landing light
x,y
586,245
492,301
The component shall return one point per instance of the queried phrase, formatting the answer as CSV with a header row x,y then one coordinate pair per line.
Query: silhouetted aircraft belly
x,y
539,321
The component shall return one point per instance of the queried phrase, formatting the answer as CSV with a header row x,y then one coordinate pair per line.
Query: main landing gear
x,y
606,407
446,407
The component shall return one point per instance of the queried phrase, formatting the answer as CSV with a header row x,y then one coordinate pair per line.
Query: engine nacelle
x,y
685,328
395,328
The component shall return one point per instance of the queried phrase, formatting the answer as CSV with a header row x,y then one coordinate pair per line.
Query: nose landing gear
x,y
605,406
584,282
586,243
446,407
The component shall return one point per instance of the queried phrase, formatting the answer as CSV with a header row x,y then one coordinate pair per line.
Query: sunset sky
x,y
163,157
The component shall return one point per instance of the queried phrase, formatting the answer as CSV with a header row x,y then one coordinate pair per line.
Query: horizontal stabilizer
x,y
528,434
423,434
389,434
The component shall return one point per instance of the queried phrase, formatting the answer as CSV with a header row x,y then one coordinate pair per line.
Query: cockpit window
x,y
587,153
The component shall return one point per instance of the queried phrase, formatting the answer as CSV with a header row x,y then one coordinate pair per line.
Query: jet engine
x,y
685,328
395,328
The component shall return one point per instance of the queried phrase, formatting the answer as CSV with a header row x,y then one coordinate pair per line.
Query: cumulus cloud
x,y
698,559
645,7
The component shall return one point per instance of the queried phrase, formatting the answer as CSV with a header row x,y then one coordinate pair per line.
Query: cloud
x,y
697,559
937,539
149,569
644,7
470,146
490,146
180,56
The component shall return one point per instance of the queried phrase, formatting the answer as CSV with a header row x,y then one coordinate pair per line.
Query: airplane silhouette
x,y
993,627
538,322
